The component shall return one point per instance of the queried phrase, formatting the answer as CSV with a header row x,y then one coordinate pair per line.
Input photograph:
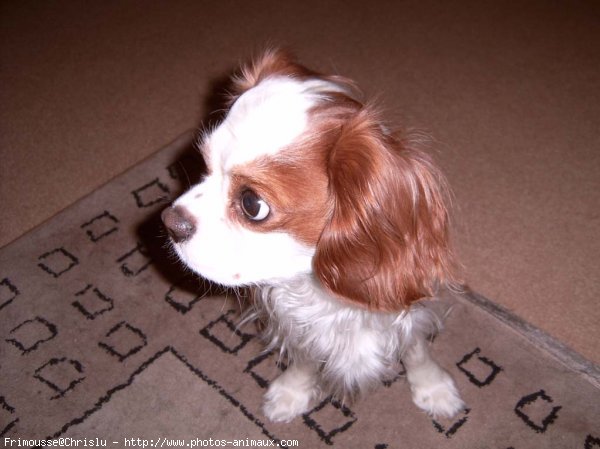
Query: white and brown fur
x,y
343,234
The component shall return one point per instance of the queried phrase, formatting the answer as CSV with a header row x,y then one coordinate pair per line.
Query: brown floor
x,y
510,92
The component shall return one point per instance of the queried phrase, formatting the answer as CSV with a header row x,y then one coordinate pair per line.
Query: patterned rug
x,y
106,340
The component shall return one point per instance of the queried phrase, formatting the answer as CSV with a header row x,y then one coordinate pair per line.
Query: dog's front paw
x,y
284,402
438,398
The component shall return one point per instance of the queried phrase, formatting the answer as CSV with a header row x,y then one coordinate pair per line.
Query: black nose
x,y
179,223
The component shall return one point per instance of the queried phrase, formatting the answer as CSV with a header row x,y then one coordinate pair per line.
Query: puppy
x,y
338,224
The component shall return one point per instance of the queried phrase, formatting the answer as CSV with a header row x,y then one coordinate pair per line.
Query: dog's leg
x,y
291,393
432,388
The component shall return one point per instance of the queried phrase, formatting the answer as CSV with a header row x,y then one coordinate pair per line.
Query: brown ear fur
x,y
386,243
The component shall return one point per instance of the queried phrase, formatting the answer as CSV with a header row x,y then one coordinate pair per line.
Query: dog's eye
x,y
253,206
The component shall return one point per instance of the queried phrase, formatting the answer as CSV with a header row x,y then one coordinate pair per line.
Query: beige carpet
x,y
510,90
104,337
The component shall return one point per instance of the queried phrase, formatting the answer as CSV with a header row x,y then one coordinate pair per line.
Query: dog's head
x,y
303,178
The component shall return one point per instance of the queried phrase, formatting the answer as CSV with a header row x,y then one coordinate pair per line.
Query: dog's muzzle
x,y
180,224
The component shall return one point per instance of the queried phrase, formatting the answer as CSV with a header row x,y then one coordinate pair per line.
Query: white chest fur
x,y
351,348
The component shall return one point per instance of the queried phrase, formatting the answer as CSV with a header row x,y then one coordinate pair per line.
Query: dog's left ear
x,y
386,243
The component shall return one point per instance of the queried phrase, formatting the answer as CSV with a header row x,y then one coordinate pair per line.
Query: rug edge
x,y
180,141
558,350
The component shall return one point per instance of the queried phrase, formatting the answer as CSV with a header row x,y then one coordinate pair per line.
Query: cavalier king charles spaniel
x,y
338,225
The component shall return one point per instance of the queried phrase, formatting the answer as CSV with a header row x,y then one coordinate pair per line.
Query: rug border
x,y
107,397
558,350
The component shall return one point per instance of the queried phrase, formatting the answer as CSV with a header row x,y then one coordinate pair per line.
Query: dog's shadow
x,y
187,169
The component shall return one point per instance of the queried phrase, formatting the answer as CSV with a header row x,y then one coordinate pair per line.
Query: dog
x,y
338,224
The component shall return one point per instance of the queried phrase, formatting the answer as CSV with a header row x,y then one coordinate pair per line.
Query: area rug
x,y
108,341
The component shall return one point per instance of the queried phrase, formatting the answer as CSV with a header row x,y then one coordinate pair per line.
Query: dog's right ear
x,y
386,244
272,62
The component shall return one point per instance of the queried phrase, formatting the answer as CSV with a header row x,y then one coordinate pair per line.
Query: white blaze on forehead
x,y
265,119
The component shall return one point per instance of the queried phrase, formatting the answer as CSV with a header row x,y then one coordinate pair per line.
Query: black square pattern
x,y
450,429
135,261
61,375
480,370
225,334
101,226
7,417
537,411
329,418
148,195
182,299
123,340
8,292
30,334
264,367
92,303
57,262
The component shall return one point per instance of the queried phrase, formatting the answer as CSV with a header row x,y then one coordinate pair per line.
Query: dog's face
x,y
302,178
258,213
